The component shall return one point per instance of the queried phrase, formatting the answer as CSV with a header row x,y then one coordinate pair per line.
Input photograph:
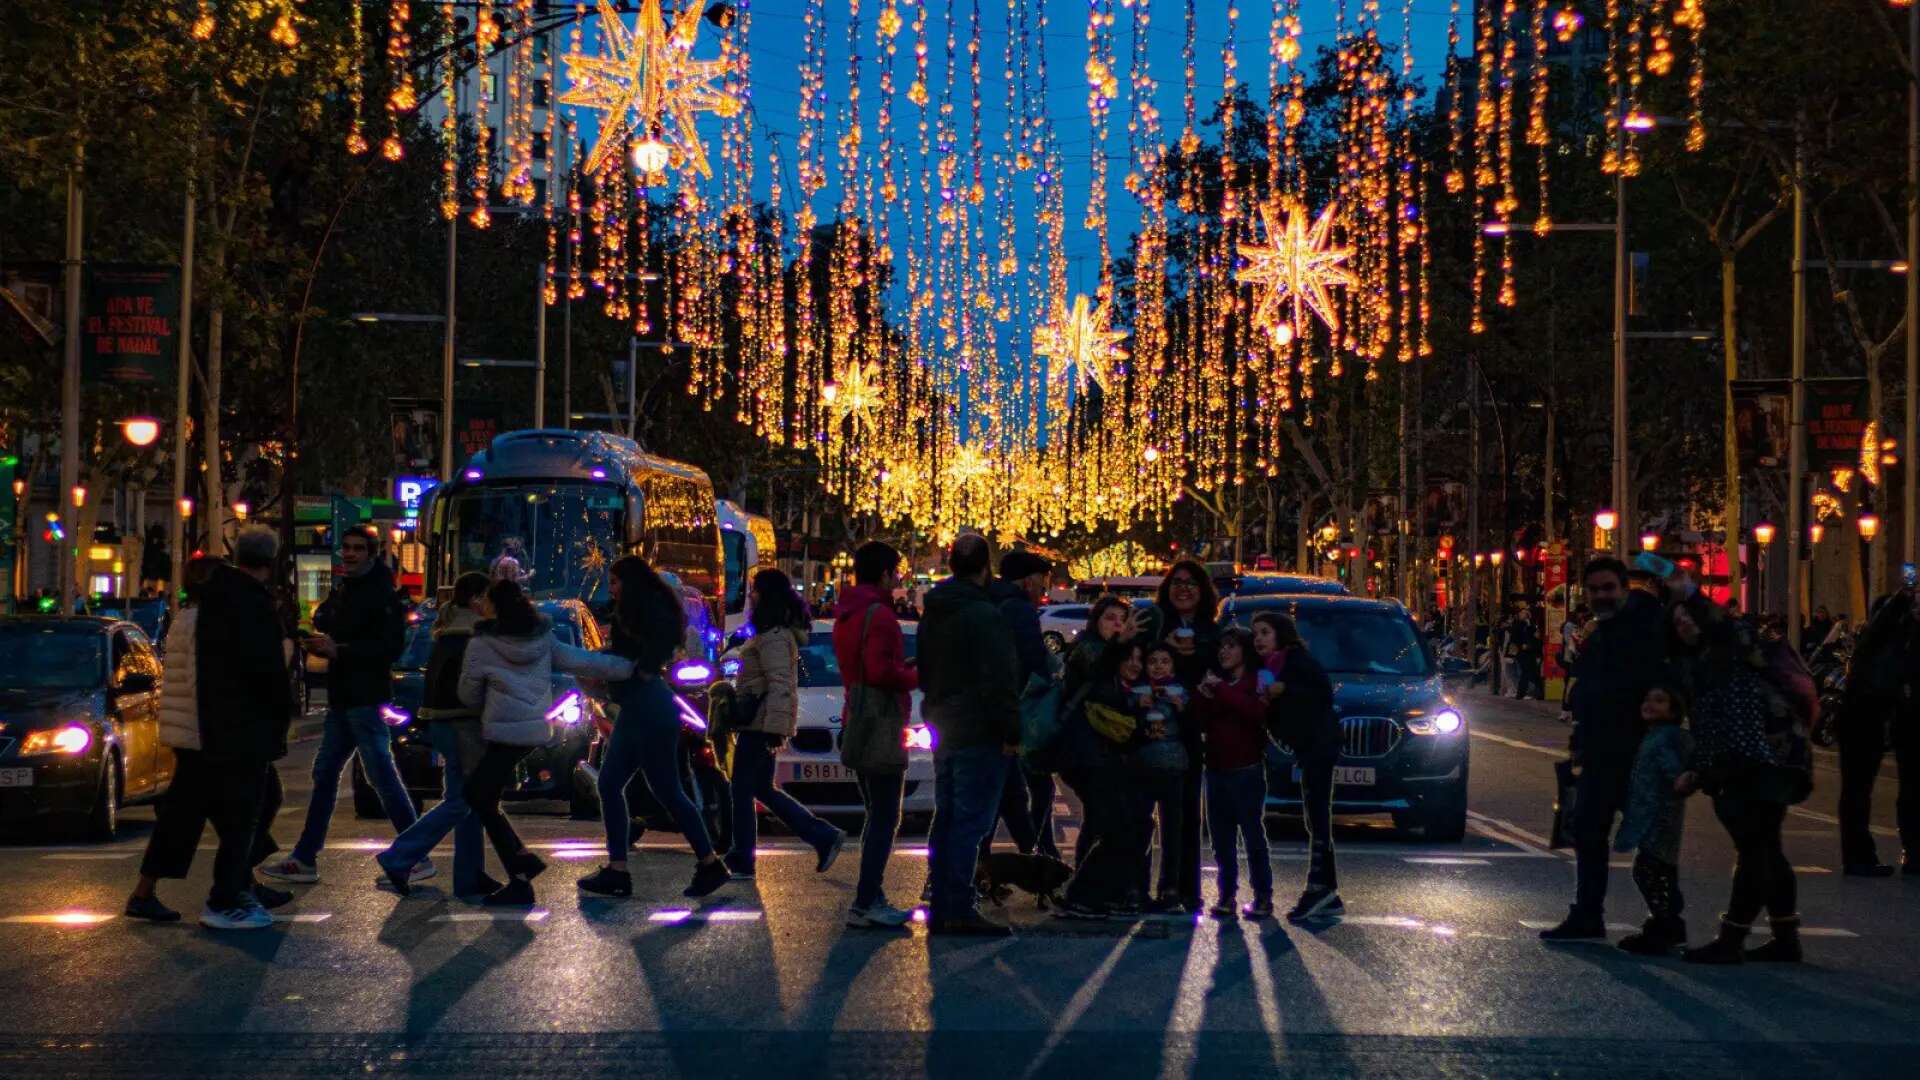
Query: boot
x,y
1724,949
1657,937
1785,946
1579,925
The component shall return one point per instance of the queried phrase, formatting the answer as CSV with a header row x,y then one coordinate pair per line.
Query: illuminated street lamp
x,y
186,508
1815,531
1650,541
1606,520
1496,556
240,511
140,430
80,497
1869,526
1763,532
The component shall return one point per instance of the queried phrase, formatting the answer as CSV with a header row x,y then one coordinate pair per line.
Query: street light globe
x,y
1650,541
650,155
1606,519
1497,556
240,511
186,508
1763,532
1815,531
140,430
1869,526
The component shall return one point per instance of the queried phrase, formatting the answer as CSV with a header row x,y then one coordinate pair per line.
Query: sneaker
x,y
973,925
1577,926
423,870
269,897
1313,904
515,893
830,851
1223,910
1263,909
151,909
1166,905
706,878
396,877
881,915
481,889
1066,909
740,871
292,870
247,916
1124,911
607,881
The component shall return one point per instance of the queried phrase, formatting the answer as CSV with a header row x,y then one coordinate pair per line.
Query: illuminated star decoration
x,y
854,394
1298,264
1081,336
646,81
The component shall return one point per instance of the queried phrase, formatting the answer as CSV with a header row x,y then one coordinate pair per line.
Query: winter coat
x,y
970,676
509,678
1655,816
650,645
179,690
240,670
1233,723
1086,674
1190,669
770,666
1886,659
1302,716
882,664
1621,657
366,617
1023,622
1733,709
440,698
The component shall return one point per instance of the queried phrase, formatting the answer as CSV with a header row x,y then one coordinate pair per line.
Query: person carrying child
x,y
1655,819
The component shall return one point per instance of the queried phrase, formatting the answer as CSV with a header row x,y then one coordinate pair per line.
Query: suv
x,y
1405,750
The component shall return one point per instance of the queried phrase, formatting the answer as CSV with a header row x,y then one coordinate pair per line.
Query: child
x,y
1108,876
1159,770
1233,715
1654,820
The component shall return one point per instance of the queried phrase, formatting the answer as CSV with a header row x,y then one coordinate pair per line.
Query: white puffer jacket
x,y
510,680
179,688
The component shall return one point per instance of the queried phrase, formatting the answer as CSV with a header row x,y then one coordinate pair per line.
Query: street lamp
x,y
1763,532
1605,520
1815,531
80,497
1869,525
1649,541
140,430
240,511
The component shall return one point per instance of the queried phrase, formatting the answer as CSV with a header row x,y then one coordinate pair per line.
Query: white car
x,y
808,766
1060,625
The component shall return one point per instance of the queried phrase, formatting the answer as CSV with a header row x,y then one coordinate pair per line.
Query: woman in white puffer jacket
x,y
508,675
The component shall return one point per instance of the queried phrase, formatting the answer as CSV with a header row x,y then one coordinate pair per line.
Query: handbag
x,y
871,735
1561,836
742,708
1039,719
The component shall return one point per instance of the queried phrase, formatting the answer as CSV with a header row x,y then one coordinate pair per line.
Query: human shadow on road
x,y
707,981
435,988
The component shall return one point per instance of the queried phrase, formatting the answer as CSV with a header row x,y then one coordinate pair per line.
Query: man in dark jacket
x,y
1023,580
1524,641
969,679
363,628
1882,712
1625,654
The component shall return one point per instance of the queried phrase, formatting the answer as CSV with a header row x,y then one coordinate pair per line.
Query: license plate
x,y
1351,775
16,777
821,770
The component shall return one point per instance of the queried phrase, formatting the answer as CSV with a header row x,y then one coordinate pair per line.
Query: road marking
x,y
1812,870
1543,924
60,918
1080,1002
1508,832
1829,819
679,916
532,915
1517,744
304,917
1826,931
87,856
1444,860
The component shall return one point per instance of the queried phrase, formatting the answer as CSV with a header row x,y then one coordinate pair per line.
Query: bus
x,y
747,542
566,504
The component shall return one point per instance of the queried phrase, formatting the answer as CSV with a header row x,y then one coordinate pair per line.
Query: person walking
x,y
362,628
507,674
1655,821
453,729
1749,758
1018,591
1232,710
1300,714
649,625
1184,616
770,672
871,651
969,675
1882,712
1523,640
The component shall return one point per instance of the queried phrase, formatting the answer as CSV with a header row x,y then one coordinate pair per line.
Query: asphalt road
x,y
1436,971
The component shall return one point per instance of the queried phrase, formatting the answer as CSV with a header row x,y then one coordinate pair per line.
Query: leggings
x,y
1659,885
484,786
1762,876
1316,797
646,741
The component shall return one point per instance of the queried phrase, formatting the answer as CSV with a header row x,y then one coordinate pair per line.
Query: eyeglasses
x,y
1183,583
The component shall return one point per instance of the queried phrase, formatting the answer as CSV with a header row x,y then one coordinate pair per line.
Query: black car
x,y
1405,750
79,722
545,774
1267,583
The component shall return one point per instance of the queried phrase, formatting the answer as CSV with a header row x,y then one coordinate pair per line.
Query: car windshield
x,y
820,667
420,641
1347,641
51,657
563,533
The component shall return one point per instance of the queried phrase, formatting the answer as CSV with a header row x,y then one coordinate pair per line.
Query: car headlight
x,y
68,739
918,737
691,673
729,668
1441,722
567,711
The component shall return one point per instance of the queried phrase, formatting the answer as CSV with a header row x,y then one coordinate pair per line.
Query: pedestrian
x,y
770,673
1110,621
1232,710
1623,655
1881,712
648,625
871,651
231,726
1300,715
1109,876
198,784
969,676
362,628
1573,633
1184,616
1817,629
1502,655
1655,820
1017,592
1748,759
453,729
1160,766
507,673
1523,641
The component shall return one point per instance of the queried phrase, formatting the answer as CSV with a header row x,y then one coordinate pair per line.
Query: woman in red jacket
x,y
1233,724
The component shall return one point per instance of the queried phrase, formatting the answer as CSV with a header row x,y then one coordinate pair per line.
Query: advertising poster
x,y
128,328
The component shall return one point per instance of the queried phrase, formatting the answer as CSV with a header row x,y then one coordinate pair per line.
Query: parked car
x,y
1061,624
79,722
544,775
1405,738
1267,583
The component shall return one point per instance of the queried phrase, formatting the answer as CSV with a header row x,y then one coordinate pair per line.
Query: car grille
x,y
1368,736
831,793
813,741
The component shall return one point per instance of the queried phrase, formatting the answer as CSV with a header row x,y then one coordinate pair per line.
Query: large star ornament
x,y
646,82
1298,265
854,394
1081,336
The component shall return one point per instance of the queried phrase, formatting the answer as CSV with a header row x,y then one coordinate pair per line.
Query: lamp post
x,y
1910,491
1763,533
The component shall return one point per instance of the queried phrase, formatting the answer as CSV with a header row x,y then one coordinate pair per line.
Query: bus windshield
x,y
565,534
733,544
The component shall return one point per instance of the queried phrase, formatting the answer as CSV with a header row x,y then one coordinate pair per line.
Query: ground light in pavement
x,y
60,918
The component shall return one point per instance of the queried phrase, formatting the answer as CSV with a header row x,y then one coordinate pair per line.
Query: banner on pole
x,y
1761,417
1836,423
416,436
130,324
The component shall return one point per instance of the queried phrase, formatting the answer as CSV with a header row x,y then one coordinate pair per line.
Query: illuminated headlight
x,y
567,711
1443,722
692,673
918,737
690,717
395,716
729,668
71,739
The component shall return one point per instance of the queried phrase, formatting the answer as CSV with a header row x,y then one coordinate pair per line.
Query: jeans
x,y
456,742
1600,794
271,796
1316,796
966,794
485,783
1864,729
1162,792
1015,811
753,779
1187,881
226,794
1040,793
880,793
1237,810
1107,870
348,731
646,741
1659,885
1762,876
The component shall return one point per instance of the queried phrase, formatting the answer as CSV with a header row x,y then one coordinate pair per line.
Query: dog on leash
x,y
1042,876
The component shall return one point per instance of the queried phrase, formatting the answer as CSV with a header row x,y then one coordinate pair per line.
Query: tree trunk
x,y
212,512
1729,336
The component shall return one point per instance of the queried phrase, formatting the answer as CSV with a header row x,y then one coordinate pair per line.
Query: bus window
x,y
564,533
733,544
